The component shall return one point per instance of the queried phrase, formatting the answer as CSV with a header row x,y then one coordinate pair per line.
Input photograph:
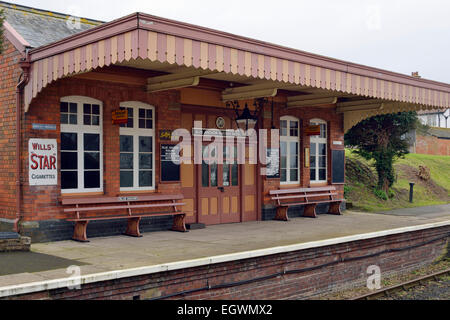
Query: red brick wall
x,y
335,133
9,77
432,145
42,203
348,268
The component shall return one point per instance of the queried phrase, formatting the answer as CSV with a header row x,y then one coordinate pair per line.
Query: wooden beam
x,y
359,102
178,76
364,107
254,94
305,97
261,86
174,84
312,102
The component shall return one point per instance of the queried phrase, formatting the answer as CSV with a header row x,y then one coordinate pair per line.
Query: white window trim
x,y
288,139
81,129
318,139
135,131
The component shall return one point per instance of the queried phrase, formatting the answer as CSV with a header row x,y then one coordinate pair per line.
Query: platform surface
x,y
121,253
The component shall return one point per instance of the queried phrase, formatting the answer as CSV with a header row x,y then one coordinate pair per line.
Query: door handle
x,y
222,189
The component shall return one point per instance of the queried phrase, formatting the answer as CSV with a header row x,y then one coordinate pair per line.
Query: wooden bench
x,y
308,197
98,205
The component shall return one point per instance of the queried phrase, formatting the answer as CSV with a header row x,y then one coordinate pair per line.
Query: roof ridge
x,y
47,13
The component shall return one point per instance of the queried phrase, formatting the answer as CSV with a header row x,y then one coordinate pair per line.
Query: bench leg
x,y
282,214
179,223
79,232
133,228
335,208
310,211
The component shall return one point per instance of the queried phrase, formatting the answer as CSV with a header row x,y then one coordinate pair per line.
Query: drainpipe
x,y
23,80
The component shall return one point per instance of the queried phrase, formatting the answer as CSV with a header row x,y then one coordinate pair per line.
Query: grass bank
x,y
361,180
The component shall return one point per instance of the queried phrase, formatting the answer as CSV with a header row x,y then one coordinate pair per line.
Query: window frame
x,y
136,132
289,139
319,140
80,129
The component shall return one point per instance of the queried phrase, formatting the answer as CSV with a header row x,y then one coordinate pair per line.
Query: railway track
x,y
385,292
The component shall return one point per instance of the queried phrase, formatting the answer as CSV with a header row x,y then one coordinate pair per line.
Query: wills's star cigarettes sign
x,y
43,162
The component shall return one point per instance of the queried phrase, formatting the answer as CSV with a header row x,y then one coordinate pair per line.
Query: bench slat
x,y
305,196
289,204
98,200
128,217
162,205
298,190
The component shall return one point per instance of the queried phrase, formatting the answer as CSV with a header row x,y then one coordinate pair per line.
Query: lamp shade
x,y
246,120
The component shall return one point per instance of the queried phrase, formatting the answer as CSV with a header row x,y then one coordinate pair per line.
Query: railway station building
x,y
93,110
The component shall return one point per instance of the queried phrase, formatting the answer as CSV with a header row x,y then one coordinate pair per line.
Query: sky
x,y
396,35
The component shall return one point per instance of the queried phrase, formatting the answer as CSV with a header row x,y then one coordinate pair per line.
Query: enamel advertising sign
x,y
43,162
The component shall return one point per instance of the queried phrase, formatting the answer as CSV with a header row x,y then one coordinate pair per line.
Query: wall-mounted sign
x,y
42,126
43,162
273,163
170,163
165,135
120,116
307,158
338,166
337,143
312,131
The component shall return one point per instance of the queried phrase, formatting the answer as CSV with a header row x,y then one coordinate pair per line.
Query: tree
x,y
2,19
382,138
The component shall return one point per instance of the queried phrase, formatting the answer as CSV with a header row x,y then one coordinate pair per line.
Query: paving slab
x,y
102,255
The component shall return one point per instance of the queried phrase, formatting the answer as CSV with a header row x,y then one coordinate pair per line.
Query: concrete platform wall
x,y
291,275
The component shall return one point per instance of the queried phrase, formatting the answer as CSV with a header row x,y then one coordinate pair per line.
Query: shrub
x,y
380,194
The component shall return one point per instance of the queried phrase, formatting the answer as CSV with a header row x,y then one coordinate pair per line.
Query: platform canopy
x,y
184,53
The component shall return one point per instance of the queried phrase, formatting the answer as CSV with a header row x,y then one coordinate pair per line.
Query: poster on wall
x,y
170,163
273,163
43,162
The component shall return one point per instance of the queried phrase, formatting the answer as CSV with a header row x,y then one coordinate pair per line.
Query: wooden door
x,y
219,190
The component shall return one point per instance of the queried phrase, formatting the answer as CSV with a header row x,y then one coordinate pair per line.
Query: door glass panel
x,y
226,175
214,174
234,175
205,170
205,175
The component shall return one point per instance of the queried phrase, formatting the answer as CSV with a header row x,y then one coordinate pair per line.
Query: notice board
x,y
170,163
338,166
